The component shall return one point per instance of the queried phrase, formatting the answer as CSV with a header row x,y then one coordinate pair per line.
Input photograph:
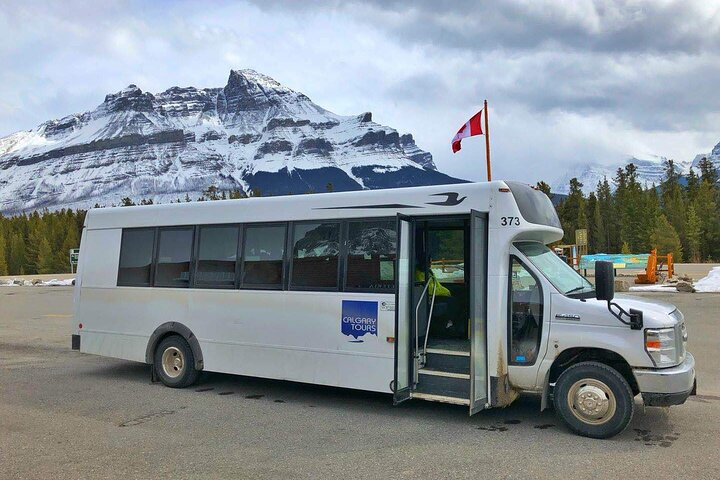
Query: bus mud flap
x,y
501,393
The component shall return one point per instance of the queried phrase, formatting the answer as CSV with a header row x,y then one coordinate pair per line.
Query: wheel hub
x,y
173,362
591,401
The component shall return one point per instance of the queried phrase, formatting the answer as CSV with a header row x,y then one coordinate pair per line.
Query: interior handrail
x,y
417,337
432,305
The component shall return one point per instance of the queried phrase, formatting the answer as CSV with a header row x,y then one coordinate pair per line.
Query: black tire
x,y
178,371
578,397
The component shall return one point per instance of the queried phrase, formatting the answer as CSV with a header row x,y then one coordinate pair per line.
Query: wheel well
x,y
571,356
174,328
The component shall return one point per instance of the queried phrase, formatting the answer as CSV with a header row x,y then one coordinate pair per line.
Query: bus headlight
x,y
661,345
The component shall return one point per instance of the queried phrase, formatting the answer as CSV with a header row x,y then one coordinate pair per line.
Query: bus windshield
x,y
559,273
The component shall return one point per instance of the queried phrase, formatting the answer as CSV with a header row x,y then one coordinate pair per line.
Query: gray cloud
x,y
587,81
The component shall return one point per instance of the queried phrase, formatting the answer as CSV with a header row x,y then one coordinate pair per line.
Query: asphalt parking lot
x,y
68,415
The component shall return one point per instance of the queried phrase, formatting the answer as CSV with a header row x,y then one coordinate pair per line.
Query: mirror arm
x,y
635,316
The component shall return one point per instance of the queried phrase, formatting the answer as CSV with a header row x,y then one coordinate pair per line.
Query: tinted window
x,y
263,256
526,311
136,253
534,205
372,248
316,248
173,259
217,255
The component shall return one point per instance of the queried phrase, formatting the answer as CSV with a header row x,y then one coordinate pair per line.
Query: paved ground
x,y
67,415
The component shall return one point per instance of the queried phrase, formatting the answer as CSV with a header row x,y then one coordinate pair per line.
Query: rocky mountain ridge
x,y
650,170
252,134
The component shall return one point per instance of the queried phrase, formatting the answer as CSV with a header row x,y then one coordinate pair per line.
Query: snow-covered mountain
x,y
713,156
650,170
254,133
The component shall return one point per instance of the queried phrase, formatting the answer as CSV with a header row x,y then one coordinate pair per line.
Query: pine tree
x,y
693,184
44,257
707,211
708,172
593,236
599,230
572,211
17,257
692,229
666,240
672,199
3,256
606,219
543,187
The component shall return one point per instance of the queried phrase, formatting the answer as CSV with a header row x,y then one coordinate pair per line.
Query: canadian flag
x,y
471,128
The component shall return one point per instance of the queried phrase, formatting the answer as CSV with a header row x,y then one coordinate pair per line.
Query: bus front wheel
x,y
593,400
175,363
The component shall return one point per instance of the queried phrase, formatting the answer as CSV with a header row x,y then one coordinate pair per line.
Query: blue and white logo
x,y
359,318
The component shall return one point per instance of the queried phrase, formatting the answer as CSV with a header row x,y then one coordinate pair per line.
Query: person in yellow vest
x,y
435,285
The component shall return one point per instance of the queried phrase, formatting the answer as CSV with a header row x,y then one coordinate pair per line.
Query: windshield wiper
x,y
575,289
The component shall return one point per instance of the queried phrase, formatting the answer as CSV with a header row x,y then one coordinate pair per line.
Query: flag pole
x,y
487,142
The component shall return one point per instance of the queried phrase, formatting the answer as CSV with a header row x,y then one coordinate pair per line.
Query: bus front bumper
x,y
667,386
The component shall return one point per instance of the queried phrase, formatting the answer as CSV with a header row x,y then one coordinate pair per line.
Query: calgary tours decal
x,y
359,318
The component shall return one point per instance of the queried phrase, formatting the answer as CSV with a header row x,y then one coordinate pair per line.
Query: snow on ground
x,y
711,283
654,288
42,283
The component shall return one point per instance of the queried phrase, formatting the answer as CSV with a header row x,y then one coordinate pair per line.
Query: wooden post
x,y
487,142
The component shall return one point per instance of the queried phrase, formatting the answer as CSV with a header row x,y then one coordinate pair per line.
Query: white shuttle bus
x,y
441,293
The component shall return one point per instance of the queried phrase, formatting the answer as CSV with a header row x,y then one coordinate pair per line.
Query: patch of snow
x,y
711,283
653,288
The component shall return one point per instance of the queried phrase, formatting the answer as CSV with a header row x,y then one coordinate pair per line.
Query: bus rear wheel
x,y
594,400
175,363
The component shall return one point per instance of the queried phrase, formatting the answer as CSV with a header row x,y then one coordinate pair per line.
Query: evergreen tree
x,y
211,193
605,218
3,256
44,262
17,257
590,207
693,184
572,211
543,187
672,199
708,172
666,240
707,210
599,230
692,230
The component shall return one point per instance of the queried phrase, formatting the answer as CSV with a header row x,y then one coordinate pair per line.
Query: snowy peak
x,y
713,156
252,134
650,171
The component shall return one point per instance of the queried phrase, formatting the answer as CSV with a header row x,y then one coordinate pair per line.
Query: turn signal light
x,y
390,339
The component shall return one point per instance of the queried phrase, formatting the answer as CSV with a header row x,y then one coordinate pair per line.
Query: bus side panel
x,y
293,336
282,335
106,328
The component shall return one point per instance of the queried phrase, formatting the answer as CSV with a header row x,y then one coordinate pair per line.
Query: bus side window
x,y
173,259
372,248
263,256
217,255
526,311
316,250
136,256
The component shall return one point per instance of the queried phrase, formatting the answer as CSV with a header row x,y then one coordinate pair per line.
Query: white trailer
x,y
442,293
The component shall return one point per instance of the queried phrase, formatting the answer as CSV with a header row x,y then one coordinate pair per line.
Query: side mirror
x,y
604,281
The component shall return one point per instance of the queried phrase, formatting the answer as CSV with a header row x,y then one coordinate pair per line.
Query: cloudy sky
x,y
568,82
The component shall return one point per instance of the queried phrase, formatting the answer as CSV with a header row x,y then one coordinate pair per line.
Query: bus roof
x,y
431,200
